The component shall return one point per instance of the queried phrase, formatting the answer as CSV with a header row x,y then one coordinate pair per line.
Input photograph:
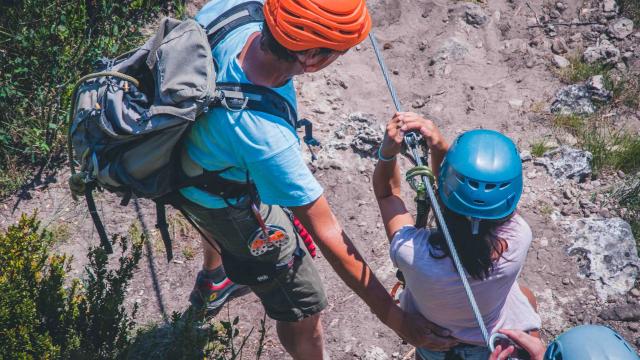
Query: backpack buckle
x,y
234,108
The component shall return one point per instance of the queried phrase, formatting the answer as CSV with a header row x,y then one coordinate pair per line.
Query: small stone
x,y
516,103
532,175
621,313
596,183
560,61
525,156
530,63
567,193
387,46
395,71
609,6
554,14
561,6
635,292
634,327
474,15
422,45
566,281
604,212
559,46
621,28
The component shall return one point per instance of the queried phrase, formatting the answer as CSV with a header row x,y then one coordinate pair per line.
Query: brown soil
x,y
471,85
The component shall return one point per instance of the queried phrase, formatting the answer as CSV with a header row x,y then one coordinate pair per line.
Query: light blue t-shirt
x,y
264,145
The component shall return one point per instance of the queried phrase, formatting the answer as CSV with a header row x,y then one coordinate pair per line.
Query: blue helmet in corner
x,y
481,175
590,342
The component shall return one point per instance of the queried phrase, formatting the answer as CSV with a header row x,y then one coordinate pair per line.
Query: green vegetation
x,y
578,70
612,148
631,9
538,148
629,197
44,47
46,315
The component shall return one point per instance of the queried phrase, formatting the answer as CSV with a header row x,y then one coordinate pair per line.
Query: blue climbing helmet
x,y
481,176
590,342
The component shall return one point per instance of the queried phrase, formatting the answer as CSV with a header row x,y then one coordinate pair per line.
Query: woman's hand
x,y
530,344
418,331
404,122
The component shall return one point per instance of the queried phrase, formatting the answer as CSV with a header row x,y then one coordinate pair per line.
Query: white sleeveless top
x,y
434,289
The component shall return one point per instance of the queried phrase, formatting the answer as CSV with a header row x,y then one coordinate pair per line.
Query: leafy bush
x,y
45,46
44,315
187,337
630,8
629,197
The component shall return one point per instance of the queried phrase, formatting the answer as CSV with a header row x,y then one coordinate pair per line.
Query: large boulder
x,y
621,28
573,100
604,52
566,162
606,253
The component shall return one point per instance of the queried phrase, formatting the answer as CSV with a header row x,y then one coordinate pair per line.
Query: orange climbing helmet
x,y
306,24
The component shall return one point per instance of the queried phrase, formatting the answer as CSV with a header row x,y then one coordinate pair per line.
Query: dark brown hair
x,y
476,252
269,43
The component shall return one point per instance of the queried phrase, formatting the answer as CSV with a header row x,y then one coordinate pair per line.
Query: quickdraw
x,y
414,177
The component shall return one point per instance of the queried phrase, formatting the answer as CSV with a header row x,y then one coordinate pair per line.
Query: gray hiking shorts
x,y
290,296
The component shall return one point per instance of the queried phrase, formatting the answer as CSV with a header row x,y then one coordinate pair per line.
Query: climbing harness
x,y
412,142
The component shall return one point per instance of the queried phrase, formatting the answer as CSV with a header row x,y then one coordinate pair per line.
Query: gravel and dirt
x,y
464,64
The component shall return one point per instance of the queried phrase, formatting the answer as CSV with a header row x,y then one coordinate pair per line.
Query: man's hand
x,y
418,331
530,344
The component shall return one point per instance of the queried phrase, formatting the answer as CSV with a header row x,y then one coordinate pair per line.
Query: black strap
x,y
163,227
213,183
237,97
232,19
91,204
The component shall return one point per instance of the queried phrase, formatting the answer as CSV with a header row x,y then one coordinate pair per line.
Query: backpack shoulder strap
x,y
239,96
239,15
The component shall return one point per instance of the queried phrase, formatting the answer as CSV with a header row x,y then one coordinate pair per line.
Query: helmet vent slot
x,y
460,178
489,187
474,184
478,202
504,186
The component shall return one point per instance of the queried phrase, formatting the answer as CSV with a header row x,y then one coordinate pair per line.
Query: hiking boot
x,y
210,296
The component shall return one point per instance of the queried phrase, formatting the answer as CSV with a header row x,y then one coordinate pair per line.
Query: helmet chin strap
x,y
475,225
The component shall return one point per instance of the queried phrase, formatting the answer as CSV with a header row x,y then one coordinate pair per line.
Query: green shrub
x,y
578,70
45,45
45,315
628,196
630,8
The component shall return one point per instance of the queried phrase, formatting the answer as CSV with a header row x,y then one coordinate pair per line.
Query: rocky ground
x,y
466,65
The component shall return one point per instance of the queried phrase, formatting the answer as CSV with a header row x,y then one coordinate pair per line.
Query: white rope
x,y
434,202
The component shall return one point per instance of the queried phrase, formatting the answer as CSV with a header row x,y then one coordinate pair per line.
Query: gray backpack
x,y
128,120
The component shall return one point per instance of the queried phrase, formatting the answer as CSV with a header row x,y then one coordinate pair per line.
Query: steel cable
x,y
409,139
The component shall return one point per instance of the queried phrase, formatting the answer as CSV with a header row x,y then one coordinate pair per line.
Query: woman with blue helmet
x,y
585,342
479,178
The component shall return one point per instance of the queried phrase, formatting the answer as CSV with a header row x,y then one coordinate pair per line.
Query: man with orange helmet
x,y
253,231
